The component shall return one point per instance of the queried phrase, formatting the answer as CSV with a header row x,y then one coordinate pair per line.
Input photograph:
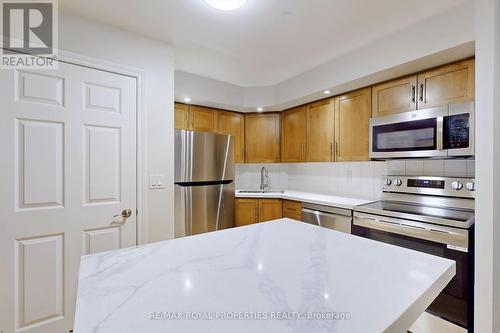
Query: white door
x,y
68,165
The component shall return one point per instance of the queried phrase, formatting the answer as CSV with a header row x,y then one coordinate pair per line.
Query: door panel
x,y
452,83
247,211
181,115
320,131
352,118
262,135
293,135
69,142
270,209
233,123
203,119
394,96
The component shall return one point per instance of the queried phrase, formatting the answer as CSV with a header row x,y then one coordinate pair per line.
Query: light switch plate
x,y
156,182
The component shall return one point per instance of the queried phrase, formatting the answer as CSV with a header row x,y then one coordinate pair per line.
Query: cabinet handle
x,y
302,150
256,214
421,98
413,93
336,147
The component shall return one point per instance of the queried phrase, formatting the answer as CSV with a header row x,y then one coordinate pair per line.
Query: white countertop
x,y
320,199
266,270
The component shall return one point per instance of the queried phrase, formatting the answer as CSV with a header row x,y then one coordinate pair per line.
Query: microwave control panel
x,y
456,131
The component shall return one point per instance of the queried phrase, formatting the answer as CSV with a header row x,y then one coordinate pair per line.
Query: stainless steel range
x,y
433,215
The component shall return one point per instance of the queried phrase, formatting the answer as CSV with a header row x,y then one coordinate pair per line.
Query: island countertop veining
x,y
278,276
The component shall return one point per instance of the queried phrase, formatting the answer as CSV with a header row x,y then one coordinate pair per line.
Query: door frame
x,y
141,152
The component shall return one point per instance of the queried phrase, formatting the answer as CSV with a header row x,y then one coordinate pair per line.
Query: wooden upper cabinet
x,y
247,211
293,135
270,209
320,129
262,135
233,123
352,117
394,96
181,115
452,83
203,119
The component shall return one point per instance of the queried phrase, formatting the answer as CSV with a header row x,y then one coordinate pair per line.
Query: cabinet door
x,y
292,209
262,132
181,115
270,209
293,135
203,119
352,117
233,123
247,211
320,129
452,83
394,96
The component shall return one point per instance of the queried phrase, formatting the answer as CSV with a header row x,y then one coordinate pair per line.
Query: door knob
x,y
126,213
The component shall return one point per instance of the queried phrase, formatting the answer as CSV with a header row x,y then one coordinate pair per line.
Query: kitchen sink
x,y
260,192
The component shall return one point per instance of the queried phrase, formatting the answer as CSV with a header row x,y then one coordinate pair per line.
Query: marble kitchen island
x,y
278,276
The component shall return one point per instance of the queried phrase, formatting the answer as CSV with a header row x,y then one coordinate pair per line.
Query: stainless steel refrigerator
x,y
204,182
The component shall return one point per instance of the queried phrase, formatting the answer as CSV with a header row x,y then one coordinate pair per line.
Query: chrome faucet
x,y
264,179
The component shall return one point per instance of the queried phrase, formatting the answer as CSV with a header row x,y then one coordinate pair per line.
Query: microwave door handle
x,y
439,133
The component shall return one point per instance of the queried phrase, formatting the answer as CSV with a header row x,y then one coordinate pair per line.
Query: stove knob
x,y
388,182
471,186
397,182
457,186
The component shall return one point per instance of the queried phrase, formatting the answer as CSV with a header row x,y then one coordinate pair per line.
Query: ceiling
x,y
266,41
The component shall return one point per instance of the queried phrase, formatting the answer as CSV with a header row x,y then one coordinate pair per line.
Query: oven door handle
x,y
433,233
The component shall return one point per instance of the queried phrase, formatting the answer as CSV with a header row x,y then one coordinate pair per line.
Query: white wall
x,y
407,51
155,59
351,179
487,282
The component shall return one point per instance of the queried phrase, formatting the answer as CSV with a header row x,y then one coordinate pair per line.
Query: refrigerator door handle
x,y
220,193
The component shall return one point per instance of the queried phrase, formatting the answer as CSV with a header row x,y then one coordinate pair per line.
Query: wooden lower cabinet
x,y
250,211
270,209
292,209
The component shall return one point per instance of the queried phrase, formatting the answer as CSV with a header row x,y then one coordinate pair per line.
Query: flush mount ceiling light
x,y
327,92
226,4
260,109
187,99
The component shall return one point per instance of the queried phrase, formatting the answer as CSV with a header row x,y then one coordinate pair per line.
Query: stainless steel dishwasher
x,y
339,219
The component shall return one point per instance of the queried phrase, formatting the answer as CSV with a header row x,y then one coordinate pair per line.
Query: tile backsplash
x,y
446,168
350,179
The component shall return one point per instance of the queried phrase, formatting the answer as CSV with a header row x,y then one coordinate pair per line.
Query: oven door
x,y
454,303
410,134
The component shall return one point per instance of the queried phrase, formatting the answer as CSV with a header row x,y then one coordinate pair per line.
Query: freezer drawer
x,y
328,217
203,208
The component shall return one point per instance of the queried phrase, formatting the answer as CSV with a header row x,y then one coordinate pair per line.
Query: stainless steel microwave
x,y
435,132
